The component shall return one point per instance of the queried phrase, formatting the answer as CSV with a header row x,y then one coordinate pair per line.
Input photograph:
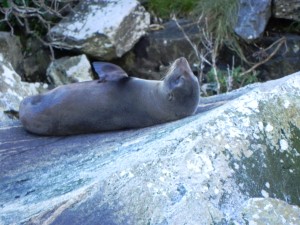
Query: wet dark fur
x,y
114,104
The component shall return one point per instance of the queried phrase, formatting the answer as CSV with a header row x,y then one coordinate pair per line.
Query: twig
x,y
38,9
229,83
193,45
209,45
279,43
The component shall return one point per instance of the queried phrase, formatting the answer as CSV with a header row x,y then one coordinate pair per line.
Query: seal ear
x,y
108,71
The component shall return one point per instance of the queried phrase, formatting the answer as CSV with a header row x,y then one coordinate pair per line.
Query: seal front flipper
x,y
108,71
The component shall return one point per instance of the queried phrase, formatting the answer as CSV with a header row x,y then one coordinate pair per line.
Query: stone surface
x,y
253,17
13,90
270,211
286,60
11,50
286,9
206,167
160,48
102,29
36,60
69,70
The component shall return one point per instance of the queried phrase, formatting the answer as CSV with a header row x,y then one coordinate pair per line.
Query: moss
x,y
165,8
270,163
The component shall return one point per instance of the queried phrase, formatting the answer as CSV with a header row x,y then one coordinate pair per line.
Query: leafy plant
x,y
231,79
8,3
34,18
167,7
221,16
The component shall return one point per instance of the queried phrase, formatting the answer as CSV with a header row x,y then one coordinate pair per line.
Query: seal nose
x,y
182,60
182,63
184,66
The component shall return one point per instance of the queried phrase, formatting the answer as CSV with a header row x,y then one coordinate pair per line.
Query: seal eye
x,y
179,80
170,97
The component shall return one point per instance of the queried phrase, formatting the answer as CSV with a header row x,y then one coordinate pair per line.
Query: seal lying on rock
x,y
113,102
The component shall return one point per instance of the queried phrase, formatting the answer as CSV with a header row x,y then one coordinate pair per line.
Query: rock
x,y
36,60
162,47
253,17
70,70
103,30
203,168
13,90
286,9
11,50
275,212
286,60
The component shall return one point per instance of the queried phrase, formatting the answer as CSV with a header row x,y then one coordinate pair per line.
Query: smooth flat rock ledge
x,y
235,164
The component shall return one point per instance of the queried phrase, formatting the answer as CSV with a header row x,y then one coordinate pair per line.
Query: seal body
x,y
113,102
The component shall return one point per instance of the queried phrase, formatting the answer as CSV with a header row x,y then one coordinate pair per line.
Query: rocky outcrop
x,y
210,167
161,47
69,70
11,50
275,212
286,59
256,18
36,60
13,90
286,9
102,29
253,17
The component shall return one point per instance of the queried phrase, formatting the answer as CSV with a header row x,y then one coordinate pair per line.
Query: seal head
x,y
182,89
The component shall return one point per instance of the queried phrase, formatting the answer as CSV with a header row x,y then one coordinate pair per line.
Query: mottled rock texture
x,y
253,17
161,47
209,167
69,70
102,29
11,50
286,9
13,90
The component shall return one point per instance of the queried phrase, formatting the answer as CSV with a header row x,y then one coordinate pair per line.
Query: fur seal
x,y
113,102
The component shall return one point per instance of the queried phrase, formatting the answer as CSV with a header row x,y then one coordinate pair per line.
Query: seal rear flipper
x,y
108,71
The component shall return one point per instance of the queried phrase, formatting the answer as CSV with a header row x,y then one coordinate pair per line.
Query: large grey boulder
x,y
69,70
286,9
209,168
11,50
253,17
160,47
13,90
102,29
280,211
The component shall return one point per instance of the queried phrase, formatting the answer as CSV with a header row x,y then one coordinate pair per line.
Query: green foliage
x,y
12,18
6,3
166,7
220,16
234,77
27,17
